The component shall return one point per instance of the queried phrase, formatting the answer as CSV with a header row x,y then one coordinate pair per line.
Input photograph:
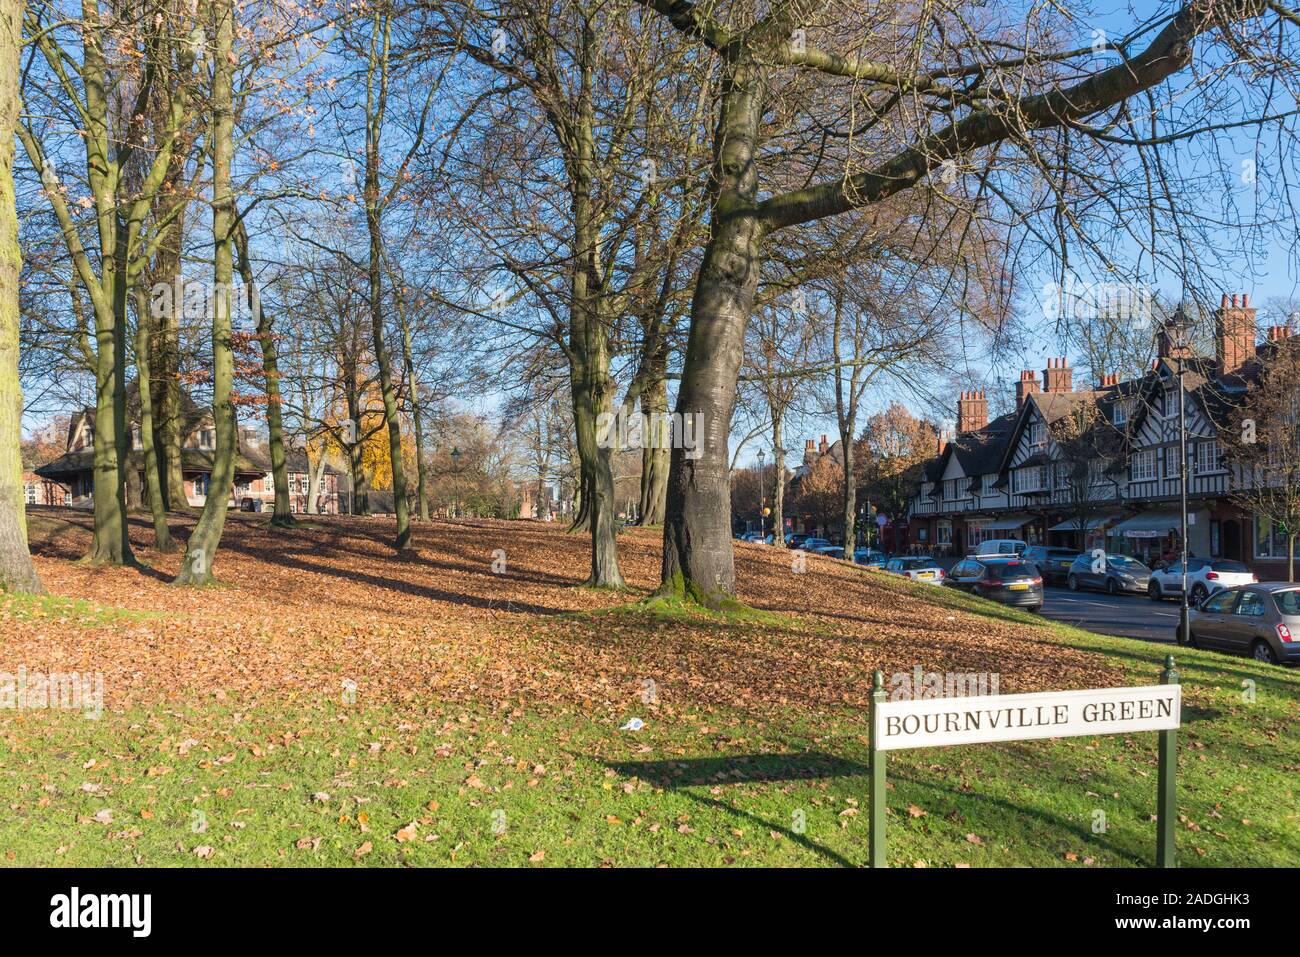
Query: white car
x,y
1000,546
917,569
1205,576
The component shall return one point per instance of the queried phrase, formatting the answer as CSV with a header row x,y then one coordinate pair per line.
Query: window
x,y
1288,602
1252,604
208,439
1270,540
943,533
29,490
1221,604
1097,471
1031,478
1119,413
1037,435
1142,466
1208,455
1172,461
950,492
201,485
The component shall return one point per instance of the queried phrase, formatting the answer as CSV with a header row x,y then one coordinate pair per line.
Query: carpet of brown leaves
x,y
301,611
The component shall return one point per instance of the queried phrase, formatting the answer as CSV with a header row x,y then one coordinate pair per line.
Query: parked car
x,y
1205,576
870,557
917,569
810,544
1000,546
796,541
1052,563
1260,620
1112,573
1006,579
834,551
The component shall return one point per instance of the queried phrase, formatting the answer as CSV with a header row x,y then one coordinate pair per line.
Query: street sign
x,y
943,722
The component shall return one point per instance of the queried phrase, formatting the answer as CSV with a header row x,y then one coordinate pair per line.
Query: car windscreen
x,y
1126,563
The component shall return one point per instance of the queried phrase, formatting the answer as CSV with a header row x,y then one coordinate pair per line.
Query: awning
x,y
1092,524
1149,525
1007,524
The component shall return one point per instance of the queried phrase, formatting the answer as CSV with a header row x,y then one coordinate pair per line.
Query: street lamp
x,y
1180,338
455,464
761,536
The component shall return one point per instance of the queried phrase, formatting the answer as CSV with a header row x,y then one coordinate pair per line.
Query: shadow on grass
x,y
743,769
746,769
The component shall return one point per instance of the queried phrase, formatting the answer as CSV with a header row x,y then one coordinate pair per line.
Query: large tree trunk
x,y
698,562
202,547
778,480
17,573
850,496
283,514
144,329
164,348
413,391
592,397
654,455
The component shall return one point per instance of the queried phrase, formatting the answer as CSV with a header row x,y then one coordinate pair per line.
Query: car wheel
x,y
1154,593
1112,586
1261,651
1198,594
1073,583
1035,609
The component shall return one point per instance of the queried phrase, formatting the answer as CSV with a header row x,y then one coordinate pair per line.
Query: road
x,y
1133,616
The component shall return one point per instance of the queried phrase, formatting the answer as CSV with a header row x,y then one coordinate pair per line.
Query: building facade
x,y
1102,467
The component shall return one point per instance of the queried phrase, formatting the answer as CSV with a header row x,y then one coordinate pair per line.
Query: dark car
x,y
1009,580
1262,621
1052,563
1110,573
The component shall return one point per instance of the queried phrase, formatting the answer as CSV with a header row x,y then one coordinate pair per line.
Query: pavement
x,y
1131,616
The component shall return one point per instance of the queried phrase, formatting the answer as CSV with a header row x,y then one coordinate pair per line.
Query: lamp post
x,y
1181,341
455,464
761,536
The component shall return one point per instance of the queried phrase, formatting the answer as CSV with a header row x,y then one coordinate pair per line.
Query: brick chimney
x,y
809,450
1108,380
1167,340
1058,376
972,412
823,447
1027,385
1278,333
1234,333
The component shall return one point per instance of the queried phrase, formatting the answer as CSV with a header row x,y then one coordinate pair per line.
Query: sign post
x,y
943,722
877,776
1166,800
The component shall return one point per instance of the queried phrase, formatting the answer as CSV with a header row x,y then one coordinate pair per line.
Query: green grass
x,y
289,783
64,611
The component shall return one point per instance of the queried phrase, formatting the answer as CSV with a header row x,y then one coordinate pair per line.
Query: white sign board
x,y
940,722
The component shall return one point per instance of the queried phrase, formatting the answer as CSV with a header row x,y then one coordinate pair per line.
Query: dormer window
x,y
207,438
1037,435
1119,414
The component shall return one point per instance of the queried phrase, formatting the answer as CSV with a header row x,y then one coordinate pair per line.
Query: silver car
x,y
1113,574
1262,621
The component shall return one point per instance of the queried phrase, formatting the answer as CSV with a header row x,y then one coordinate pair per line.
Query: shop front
x,y
1085,535
1155,536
